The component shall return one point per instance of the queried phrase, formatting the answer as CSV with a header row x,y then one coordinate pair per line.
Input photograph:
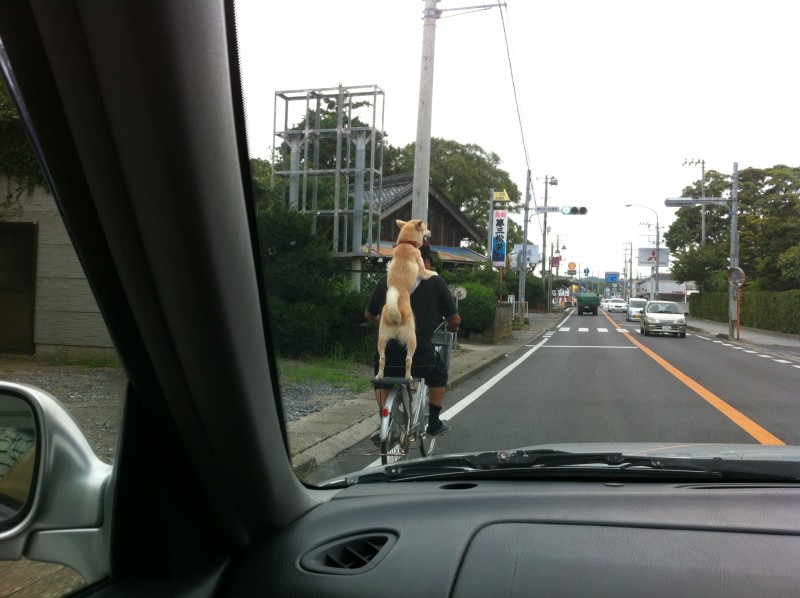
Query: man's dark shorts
x,y
427,364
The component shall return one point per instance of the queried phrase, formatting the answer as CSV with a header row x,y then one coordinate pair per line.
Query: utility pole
x,y
658,243
547,182
523,263
702,164
733,315
422,149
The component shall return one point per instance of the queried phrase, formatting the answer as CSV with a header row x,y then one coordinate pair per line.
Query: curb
x,y
308,459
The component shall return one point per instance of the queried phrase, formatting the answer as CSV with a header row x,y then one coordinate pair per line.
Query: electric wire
x,y
501,5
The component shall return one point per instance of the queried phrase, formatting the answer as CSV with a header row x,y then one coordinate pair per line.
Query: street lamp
x,y
658,240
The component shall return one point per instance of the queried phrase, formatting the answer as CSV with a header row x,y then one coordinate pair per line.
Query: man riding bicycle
x,y
431,301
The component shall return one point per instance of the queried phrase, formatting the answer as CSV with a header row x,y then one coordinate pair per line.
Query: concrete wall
x,y
66,318
501,329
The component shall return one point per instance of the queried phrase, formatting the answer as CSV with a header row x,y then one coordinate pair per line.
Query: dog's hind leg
x,y
382,354
411,346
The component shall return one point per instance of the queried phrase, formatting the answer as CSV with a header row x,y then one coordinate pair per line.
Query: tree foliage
x,y
465,173
313,305
768,223
17,160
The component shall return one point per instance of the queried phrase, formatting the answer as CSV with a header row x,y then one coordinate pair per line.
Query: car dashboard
x,y
521,538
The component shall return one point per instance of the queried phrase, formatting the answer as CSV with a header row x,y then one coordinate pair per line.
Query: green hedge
x,y
765,310
478,310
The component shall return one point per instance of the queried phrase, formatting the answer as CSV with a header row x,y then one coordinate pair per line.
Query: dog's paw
x,y
428,273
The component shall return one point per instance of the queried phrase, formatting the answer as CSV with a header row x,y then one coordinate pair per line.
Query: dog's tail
x,y
392,305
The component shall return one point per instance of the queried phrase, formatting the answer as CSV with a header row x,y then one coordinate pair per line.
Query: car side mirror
x,y
17,458
54,491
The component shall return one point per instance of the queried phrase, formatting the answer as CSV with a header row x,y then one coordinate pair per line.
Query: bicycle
x,y
404,416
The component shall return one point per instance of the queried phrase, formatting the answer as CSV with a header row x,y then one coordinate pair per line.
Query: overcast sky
x,y
614,96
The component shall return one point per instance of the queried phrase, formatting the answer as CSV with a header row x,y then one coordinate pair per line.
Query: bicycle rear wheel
x,y
396,444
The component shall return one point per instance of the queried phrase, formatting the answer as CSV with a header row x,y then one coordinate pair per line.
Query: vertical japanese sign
x,y
499,224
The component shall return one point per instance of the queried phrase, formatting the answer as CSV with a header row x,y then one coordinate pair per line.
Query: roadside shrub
x,y
478,309
299,328
767,310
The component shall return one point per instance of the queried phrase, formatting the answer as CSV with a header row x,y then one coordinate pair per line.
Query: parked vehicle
x,y
635,307
587,303
663,317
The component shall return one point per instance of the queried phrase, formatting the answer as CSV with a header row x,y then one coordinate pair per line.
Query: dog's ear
x,y
400,223
420,225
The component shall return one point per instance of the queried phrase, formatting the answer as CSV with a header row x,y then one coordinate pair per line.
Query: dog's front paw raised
x,y
428,273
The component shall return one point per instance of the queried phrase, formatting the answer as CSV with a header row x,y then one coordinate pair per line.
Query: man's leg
x,y
435,403
380,396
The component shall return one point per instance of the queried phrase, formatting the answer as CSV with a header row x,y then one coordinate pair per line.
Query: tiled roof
x,y
450,255
395,188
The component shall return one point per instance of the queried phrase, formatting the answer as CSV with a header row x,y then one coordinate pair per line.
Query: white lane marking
x,y
566,329
703,337
602,330
476,394
749,351
781,361
767,356
583,330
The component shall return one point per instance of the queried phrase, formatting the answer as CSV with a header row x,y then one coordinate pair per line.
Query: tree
x,y
699,264
265,196
789,264
465,173
768,223
17,161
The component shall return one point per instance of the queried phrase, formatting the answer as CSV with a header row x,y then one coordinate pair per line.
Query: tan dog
x,y
397,318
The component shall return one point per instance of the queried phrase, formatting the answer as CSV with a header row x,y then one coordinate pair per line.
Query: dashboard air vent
x,y
349,556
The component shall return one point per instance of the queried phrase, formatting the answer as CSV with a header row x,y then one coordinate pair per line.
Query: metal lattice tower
x,y
333,170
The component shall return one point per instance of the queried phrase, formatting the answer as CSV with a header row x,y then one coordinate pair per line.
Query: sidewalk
x,y
762,338
320,436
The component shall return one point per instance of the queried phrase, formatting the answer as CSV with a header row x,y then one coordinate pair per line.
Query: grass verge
x,y
340,373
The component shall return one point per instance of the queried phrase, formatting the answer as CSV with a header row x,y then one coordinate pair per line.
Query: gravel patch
x,y
94,396
302,400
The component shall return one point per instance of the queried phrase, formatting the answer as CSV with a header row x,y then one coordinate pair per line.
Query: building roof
x,y
449,255
396,192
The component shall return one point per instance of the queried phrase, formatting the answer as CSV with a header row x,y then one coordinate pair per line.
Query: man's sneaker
x,y
375,437
443,428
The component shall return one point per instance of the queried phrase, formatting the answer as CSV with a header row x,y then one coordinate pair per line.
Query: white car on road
x,y
635,307
617,304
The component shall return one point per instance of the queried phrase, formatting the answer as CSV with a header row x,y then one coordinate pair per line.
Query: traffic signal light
x,y
573,211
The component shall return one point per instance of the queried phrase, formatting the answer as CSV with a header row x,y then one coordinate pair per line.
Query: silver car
x,y
635,307
663,317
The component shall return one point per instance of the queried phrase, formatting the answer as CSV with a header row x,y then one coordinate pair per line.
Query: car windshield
x,y
352,133
663,308
519,239
501,151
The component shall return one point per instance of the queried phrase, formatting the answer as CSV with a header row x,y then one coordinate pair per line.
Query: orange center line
x,y
736,416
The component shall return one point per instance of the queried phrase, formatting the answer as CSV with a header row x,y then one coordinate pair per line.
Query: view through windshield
x,y
558,155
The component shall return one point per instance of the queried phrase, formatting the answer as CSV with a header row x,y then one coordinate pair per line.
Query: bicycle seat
x,y
391,381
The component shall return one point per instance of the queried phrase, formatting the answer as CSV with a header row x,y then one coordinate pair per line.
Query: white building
x,y
668,289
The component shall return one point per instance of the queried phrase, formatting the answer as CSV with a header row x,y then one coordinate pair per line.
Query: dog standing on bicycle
x,y
431,301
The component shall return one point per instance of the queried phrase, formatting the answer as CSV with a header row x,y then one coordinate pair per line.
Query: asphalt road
x,y
597,379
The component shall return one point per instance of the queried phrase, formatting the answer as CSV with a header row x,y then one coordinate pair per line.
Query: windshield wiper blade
x,y
543,463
